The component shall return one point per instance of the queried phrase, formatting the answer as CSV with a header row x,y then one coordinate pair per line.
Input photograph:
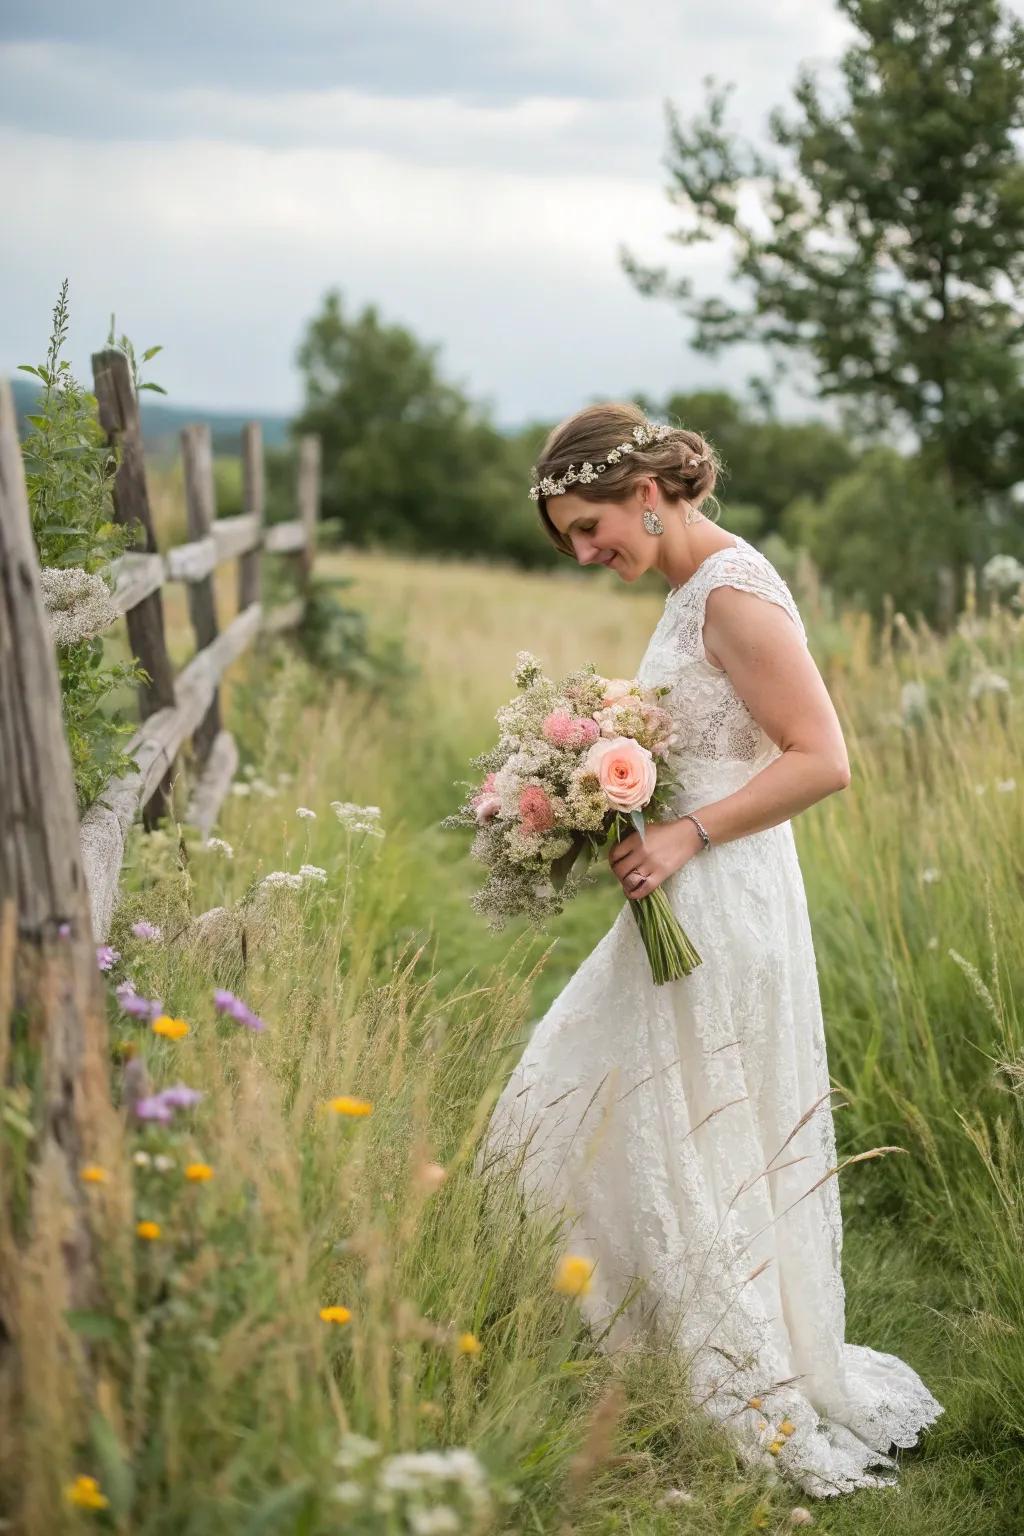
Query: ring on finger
x,y
638,879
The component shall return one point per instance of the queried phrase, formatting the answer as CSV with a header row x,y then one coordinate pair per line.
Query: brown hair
x,y
593,431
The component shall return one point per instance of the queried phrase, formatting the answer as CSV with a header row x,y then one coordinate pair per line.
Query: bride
x,y
686,1130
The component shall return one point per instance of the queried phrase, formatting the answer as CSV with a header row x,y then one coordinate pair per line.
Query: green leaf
x,y
157,387
151,352
28,368
115,1472
94,1325
637,818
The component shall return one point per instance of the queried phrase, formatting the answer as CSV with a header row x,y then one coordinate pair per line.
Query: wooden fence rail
x,y
177,710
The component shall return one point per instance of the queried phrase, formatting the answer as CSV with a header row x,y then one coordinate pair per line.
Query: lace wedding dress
x,y
686,1130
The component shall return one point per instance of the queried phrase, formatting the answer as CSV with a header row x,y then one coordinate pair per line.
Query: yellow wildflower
x,y
753,1402
345,1105
335,1314
171,1029
92,1173
85,1493
572,1277
150,1230
776,1446
787,1427
198,1172
468,1344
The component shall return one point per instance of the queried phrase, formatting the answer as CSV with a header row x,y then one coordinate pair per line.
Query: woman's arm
x,y
774,674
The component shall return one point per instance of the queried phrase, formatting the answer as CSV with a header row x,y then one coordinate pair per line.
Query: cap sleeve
x,y
749,571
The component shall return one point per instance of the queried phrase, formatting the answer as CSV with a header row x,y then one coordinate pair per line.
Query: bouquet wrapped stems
x,y
670,952
668,947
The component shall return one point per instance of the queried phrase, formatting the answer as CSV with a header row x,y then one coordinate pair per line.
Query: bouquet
x,y
575,761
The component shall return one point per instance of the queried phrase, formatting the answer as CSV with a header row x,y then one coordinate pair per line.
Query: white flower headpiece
x,y
587,471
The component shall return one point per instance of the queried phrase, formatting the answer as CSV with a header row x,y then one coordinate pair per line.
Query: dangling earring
x,y
652,522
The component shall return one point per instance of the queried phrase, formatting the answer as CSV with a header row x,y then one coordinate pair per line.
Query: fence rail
x,y
182,709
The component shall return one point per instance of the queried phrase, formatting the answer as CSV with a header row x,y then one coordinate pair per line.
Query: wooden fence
x,y
177,709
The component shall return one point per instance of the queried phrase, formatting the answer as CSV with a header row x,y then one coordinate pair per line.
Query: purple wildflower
x,y
106,957
180,1096
63,930
227,1002
144,930
154,1108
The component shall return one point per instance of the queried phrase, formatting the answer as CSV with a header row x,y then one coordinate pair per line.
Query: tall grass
x,y
227,1396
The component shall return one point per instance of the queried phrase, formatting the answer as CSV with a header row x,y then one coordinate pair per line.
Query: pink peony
x,y
625,771
535,810
564,730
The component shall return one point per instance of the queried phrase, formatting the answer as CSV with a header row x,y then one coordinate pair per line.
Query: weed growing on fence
x,y
69,472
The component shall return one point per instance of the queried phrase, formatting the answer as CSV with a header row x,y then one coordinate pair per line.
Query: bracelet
x,y
689,816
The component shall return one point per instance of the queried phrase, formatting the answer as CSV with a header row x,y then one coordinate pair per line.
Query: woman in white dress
x,y
686,1130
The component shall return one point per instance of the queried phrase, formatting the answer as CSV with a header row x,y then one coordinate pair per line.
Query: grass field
x,y
227,1394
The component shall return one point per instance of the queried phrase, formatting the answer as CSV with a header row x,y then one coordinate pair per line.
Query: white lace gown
x,y
686,1130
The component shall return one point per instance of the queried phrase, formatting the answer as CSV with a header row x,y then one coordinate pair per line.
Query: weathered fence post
x,y
119,416
53,1043
253,499
309,501
200,506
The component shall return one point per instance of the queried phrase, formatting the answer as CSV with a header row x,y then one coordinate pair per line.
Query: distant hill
x,y
161,423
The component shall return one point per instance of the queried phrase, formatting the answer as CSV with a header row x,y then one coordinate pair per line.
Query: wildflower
x,y
162,1163
305,812
572,1277
358,818
198,1173
776,1447
344,1105
63,930
152,1107
85,1493
930,875
787,1427
355,1449
753,1402
149,1230
239,789
933,942
78,604
348,1492
92,1173
226,1002
180,1097
313,872
218,845
1002,574
335,1314
1006,786
913,703
171,1029
136,1006
106,957
283,878
144,930
987,682
468,1344
142,1159
441,1520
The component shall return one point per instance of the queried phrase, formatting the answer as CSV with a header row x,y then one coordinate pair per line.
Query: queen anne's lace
x,y
682,1129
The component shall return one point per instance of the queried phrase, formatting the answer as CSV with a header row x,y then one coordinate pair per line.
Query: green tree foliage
x,y
889,252
408,459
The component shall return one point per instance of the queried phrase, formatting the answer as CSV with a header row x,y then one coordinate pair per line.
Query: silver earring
x,y
652,522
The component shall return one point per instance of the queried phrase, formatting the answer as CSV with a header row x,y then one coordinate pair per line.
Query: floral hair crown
x,y
587,471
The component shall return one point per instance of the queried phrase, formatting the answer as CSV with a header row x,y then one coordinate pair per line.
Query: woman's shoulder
x,y
743,566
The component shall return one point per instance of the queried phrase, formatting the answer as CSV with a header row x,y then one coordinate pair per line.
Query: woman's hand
x,y
666,847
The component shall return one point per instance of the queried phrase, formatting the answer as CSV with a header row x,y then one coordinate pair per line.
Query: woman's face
x,y
604,532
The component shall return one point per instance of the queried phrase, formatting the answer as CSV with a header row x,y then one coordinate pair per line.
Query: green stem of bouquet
x,y
669,950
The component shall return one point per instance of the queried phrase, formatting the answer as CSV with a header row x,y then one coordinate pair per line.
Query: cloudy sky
x,y
208,170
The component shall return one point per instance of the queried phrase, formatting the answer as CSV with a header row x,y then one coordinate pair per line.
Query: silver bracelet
x,y
689,816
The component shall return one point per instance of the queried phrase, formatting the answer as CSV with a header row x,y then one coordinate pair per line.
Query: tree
x,y
407,457
894,253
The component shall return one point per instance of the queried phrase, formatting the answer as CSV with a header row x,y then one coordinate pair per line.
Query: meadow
x,y
320,1289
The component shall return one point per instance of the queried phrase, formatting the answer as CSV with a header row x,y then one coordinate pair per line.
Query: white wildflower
x,y
439,1521
313,872
358,818
218,845
987,682
268,791
1002,574
162,1163
354,1450
1006,786
142,1159
281,877
77,603
913,703
305,812
933,942
238,788
349,1492
930,875
980,789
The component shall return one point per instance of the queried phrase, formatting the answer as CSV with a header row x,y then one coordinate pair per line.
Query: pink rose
x,y
625,771
615,688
